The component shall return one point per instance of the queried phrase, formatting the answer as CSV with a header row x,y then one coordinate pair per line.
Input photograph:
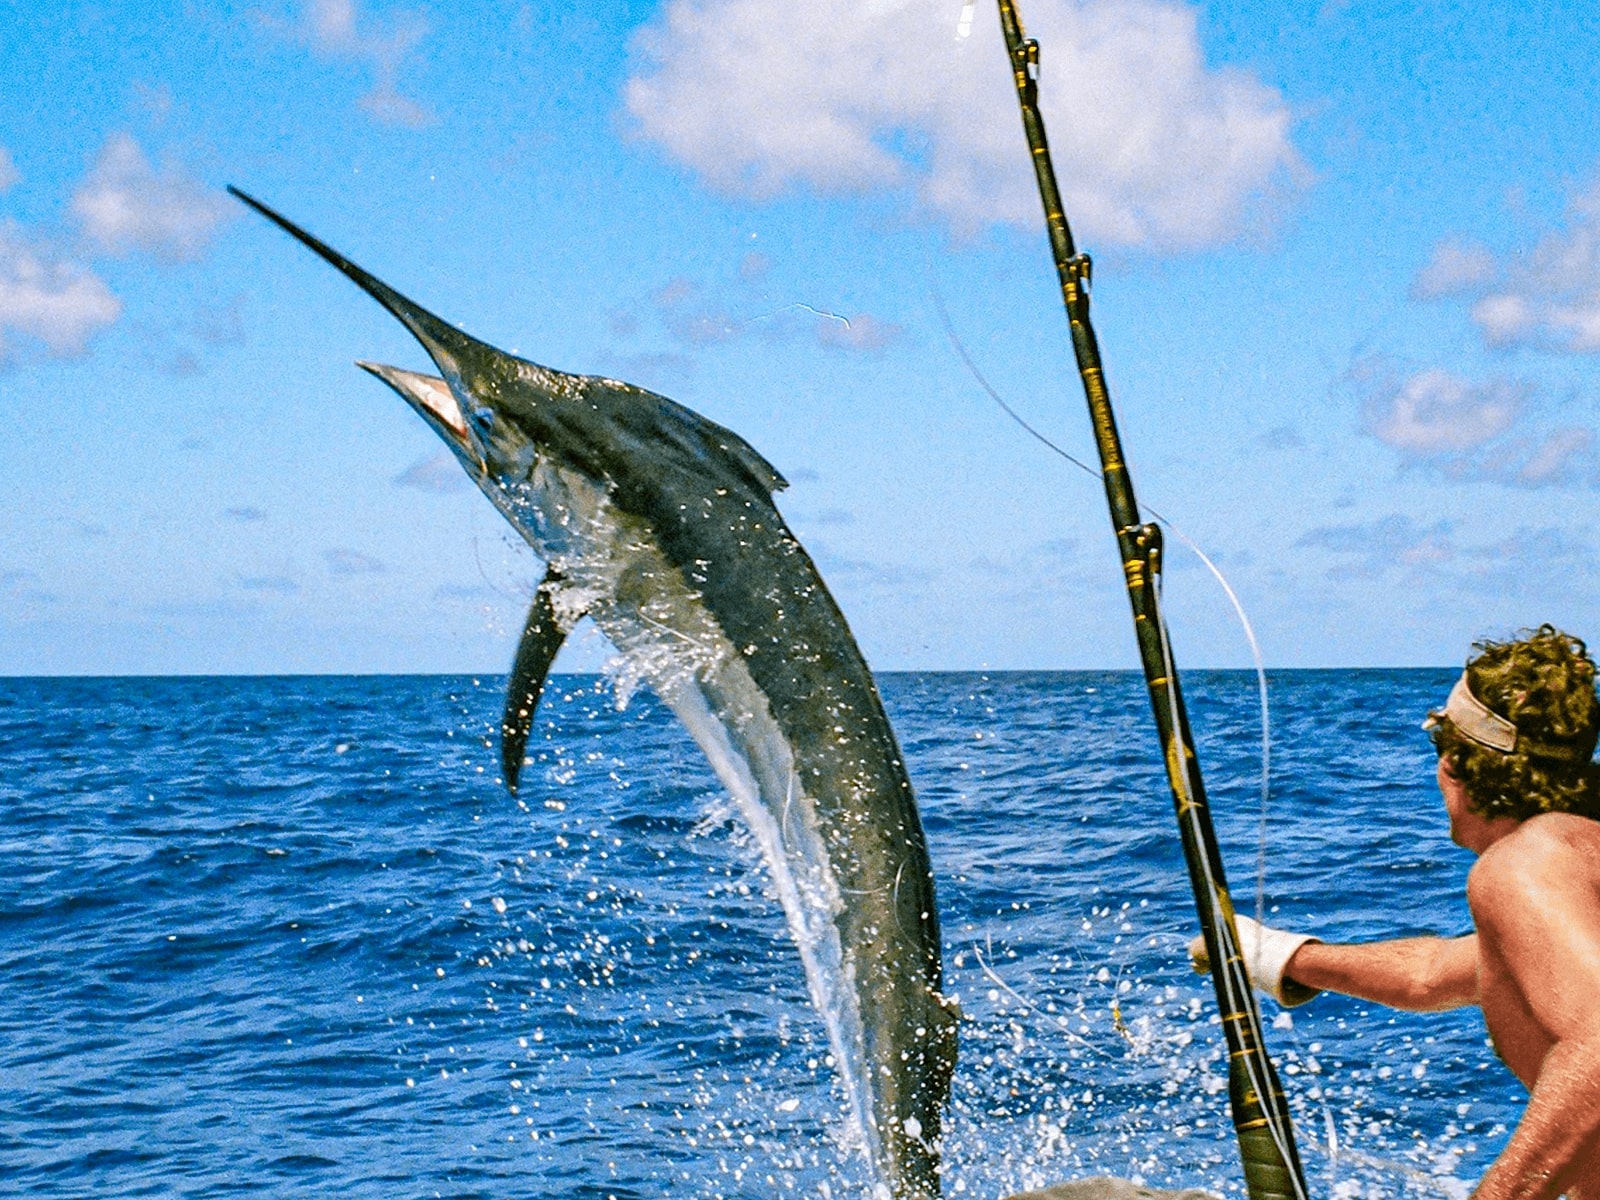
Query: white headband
x,y
1476,722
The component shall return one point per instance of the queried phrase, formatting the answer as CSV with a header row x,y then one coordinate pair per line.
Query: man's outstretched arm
x,y
1422,974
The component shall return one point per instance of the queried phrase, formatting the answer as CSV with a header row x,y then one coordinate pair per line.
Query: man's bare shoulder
x,y
1546,854
1535,898
1544,836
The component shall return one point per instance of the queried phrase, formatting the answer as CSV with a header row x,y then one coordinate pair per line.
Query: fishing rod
x,y
1272,1169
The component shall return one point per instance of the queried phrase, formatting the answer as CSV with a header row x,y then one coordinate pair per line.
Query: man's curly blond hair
x,y
1543,682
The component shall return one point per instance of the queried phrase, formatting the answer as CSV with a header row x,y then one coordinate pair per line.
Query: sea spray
x,y
715,706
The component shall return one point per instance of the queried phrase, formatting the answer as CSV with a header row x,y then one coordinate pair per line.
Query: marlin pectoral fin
x,y
542,637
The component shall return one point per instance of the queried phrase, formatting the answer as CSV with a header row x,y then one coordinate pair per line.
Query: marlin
x,y
660,526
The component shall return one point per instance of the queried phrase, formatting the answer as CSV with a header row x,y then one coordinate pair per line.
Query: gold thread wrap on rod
x,y
1261,1120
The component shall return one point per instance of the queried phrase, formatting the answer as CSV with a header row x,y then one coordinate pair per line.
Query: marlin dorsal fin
x,y
542,637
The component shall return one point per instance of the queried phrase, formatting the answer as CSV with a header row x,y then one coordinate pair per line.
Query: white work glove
x,y
1266,952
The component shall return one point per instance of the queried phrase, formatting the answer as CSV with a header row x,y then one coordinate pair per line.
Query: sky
x,y
1347,288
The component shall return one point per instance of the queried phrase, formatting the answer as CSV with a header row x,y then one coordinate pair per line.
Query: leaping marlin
x,y
660,525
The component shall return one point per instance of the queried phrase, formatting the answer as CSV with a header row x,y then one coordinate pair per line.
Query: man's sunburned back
x,y
1535,896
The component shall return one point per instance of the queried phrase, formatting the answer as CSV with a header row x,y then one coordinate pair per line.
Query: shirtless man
x,y
1515,740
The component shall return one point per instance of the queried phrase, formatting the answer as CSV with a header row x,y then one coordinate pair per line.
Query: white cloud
x,y
691,319
695,320
1555,453
1399,548
59,303
1153,146
338,29
1377,548
1504,320
1456,267
754,266
860,332
330,25
125,204
438,473
1469,431
869,573
1434,412
387,106
282,585
659,371
1547,297
342,561
1561,456
9,176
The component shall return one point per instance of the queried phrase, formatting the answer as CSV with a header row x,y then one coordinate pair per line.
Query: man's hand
x,y
1266,953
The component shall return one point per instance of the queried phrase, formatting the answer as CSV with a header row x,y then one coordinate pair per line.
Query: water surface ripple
x,y
290,936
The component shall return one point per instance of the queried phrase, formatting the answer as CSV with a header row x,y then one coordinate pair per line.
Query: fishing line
x,y
1216,573
1260,1085
1032,1007
1237,1002
1332,1149
1275,1120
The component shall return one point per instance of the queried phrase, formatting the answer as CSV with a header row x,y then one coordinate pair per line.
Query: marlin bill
x,y
660,526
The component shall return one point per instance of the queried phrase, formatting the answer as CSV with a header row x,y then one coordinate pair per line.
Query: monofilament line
x,y
1216,573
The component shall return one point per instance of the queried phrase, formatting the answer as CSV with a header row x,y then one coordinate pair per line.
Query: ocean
x,y
291,937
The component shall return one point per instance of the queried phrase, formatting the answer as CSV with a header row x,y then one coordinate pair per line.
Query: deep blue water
x,y
291,937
